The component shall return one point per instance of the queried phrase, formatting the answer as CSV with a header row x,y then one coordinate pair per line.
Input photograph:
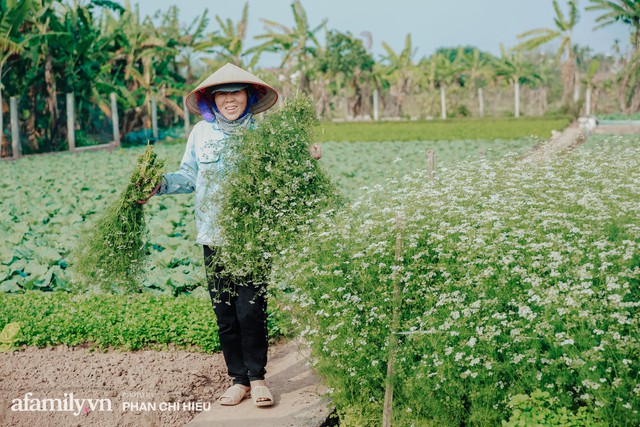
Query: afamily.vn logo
x,y
67,404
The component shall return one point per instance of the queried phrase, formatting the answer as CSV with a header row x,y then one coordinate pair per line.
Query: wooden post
x,y
517,98
71,122
187,125
154,118
481,153
15,131
114,120
387,411
376,105
431,154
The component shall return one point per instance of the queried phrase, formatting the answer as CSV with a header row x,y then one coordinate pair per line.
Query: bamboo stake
x,y
376,105
114,120
387,412
431,154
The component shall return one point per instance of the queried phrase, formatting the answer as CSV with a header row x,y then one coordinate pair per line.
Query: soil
x,y
180,383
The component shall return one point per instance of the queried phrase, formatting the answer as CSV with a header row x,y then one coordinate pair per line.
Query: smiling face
x,y
231,104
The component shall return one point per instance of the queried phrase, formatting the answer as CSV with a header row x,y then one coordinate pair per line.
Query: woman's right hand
x,y
155,190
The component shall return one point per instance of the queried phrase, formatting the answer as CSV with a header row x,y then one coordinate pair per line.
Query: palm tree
x,y
400,69
298,44
563,32
516,71
13,14
625,11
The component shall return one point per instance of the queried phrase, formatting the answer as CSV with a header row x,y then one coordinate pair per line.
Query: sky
x,y
432,23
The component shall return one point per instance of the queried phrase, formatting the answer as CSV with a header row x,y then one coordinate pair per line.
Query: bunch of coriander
x,y
111,250
272,192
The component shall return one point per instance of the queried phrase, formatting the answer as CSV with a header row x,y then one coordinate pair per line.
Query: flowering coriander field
x,y
365,164
519,293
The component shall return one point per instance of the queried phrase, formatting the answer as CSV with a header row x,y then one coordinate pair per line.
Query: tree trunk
x,y
52,100
568,75
357,95
587,102
399,98
576,87
480,102
322,101
595,97
443,103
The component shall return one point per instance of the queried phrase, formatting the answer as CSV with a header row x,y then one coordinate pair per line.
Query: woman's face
x,y
231,104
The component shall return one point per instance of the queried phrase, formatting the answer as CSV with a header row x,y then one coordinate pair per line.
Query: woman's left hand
x,y
316,151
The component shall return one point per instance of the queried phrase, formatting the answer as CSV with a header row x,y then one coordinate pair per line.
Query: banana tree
x,y
625,11
299,44
477,73
13,13
229,45
515,70
346,58
446,72
40,76
401,69
628,78
188,41
141,58
589,82
564,33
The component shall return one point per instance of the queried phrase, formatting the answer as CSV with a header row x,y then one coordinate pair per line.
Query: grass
x,y
442,130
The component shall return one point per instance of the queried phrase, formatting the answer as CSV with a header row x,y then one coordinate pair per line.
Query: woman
x,y
227,101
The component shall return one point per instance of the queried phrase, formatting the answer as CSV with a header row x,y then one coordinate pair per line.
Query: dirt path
x,y
180,383
560,142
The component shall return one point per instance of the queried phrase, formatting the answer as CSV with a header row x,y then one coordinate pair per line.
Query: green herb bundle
x,y
272,190
111,251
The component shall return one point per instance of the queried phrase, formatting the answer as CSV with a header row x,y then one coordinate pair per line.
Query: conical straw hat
x,y
229,73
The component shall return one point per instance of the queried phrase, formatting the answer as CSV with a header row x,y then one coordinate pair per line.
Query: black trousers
x,y
241,312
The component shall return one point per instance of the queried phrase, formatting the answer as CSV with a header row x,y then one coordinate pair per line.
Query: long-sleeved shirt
x,y
201,170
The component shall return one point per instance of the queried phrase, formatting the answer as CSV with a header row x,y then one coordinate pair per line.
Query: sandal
x,y
233,395
260,393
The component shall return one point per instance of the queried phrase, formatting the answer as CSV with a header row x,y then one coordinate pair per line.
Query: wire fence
x,y
69,124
